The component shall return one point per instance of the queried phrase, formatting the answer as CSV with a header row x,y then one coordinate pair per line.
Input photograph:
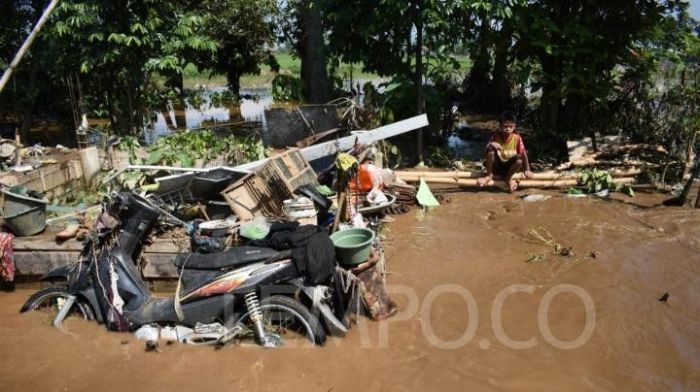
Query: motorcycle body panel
x,y
245,279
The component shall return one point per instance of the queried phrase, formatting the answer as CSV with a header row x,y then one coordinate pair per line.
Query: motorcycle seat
x,y
233,257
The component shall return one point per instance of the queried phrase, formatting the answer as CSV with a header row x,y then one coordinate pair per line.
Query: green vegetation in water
x,y
594,180
187,147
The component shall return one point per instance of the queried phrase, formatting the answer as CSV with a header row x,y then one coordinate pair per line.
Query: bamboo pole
x,y
550,175
27,43
471,182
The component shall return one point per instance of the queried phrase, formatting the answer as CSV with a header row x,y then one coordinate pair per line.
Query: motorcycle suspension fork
x,y
253,306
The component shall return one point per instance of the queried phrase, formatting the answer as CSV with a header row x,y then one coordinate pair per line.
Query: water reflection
x,y
248,112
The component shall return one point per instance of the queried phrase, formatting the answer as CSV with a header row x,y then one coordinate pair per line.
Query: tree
x,y
311,48
577,45
244,32
32,89
401,39
117,45
301,26
488,33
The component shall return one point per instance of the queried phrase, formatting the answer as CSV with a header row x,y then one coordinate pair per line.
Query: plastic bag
x,y
375,197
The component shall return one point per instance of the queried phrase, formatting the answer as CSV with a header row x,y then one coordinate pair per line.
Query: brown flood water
x,y
466,252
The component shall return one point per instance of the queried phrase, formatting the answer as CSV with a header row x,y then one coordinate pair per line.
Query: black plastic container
x,y
212,182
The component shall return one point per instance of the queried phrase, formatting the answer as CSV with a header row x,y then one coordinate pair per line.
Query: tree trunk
x,y
233,79
551,93
551,108
420,100
477,83
314,75
28,107
500,86
176,81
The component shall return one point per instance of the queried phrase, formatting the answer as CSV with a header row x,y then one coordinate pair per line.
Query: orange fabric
x,y
365,177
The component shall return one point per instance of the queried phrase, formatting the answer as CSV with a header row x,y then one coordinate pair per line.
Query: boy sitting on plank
x,y
505,153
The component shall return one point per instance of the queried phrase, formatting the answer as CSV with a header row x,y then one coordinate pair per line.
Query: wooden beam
x,y
471,182
35,256
549,175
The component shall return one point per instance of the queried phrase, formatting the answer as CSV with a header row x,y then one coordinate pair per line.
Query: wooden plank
x,y
548,175
37,263
470,182
48,244
54,178
37,255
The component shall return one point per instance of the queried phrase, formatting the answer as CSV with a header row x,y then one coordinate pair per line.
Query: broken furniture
x,y
263,192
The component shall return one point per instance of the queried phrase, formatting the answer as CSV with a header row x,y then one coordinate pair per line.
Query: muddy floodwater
x,y
474,314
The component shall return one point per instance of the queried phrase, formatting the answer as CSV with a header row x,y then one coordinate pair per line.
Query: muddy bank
x,y
451,267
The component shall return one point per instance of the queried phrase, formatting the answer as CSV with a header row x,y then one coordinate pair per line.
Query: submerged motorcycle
x,y
242,293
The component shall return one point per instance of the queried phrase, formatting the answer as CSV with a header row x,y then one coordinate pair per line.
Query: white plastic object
x,y
375,197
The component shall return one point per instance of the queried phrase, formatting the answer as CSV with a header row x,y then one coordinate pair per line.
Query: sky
x,y
695,9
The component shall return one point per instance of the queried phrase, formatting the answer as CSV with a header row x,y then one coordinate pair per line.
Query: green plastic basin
x,y
24,215
352,246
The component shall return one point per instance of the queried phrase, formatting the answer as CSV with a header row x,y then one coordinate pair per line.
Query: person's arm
x,y
492,144
526,162
526,166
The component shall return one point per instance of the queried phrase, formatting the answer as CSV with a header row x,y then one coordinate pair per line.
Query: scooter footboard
x,y
162,310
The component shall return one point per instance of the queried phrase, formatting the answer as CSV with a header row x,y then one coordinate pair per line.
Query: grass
x,y
288,64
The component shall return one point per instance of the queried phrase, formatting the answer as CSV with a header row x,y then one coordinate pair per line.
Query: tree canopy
x,y
568,68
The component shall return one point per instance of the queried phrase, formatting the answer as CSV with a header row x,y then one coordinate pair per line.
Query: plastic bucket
x,y
16,203
24,215
27,223
352,246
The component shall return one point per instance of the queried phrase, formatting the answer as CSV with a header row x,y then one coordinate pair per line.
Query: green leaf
x,y
138,27
185,159
155,157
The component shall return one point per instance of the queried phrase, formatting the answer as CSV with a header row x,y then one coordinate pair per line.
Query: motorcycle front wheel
x,y
51,300
286,321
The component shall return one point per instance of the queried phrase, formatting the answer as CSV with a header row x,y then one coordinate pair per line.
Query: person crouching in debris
x,y
505,153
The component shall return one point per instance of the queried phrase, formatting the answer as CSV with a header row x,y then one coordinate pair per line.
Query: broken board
x,y
284,128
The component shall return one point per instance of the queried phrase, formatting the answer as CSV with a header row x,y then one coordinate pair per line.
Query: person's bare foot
x,y
483,181
512,185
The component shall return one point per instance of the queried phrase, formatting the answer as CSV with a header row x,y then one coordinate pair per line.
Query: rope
x,y
176,303
350,283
